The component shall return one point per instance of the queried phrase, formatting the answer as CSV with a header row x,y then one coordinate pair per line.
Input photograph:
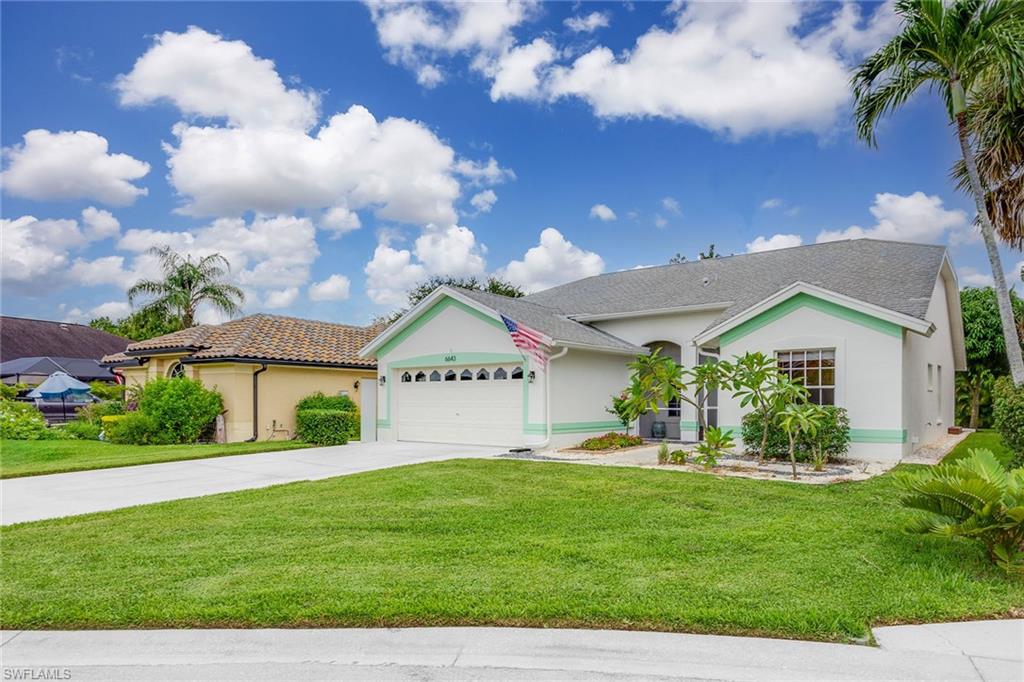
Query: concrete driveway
x,y
45,497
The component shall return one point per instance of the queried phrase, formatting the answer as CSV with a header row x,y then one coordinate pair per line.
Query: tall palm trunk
x,y
988,233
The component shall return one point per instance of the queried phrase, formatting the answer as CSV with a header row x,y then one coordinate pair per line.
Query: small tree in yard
x,y
623,409
796,419
659,380
758,383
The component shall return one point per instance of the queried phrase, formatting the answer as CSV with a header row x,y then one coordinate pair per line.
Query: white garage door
x,y
476,405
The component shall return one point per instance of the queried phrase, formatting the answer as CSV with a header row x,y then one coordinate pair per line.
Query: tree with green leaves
x,y
798,419
758,383
985,346
139,325
187,284
492,285
956,48
657,380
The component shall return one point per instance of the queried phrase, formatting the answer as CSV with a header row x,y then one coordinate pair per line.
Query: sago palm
x,y
955,48
187,284
974,497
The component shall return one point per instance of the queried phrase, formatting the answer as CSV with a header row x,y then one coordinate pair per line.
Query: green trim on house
x,y
688,426
573,427
878,435
804,300
429,314
383,423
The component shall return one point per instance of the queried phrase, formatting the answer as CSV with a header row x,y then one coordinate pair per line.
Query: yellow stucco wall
x,y
280,388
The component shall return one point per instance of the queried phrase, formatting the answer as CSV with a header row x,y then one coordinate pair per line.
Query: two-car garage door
x,y
479,405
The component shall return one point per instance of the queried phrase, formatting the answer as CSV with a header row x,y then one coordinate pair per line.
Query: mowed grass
x,y
985,439
33,457
474,542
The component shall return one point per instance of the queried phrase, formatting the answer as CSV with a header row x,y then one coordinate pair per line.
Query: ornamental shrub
x,y
833,436
95,412
611,441
1008,416
135,428
22,421
325,427
81,430
181,408
319,401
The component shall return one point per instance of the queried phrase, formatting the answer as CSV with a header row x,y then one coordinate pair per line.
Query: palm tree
x,y
186,284
956,48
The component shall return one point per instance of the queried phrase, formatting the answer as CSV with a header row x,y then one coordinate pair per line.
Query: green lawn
x,y
32,457
987,439
504,542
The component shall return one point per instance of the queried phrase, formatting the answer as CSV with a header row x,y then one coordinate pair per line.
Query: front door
x,y
711,404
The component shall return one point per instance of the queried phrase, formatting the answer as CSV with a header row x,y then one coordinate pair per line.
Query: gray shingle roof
x,y
551,322
898,276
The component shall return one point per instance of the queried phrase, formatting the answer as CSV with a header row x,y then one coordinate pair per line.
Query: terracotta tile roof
x,y
266,337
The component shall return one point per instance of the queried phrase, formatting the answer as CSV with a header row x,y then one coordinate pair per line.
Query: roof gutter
x,y
162,351
651,312
256,402
547,398
270,361
602,349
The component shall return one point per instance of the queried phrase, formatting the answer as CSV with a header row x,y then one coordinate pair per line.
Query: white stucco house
x,y
871,326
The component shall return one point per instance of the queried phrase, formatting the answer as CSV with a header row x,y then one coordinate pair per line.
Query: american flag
x,y
529,340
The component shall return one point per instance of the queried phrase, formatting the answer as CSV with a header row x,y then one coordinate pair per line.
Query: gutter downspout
x,y
547,398
256,402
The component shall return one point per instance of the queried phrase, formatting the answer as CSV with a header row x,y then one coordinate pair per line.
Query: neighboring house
x,y
871,326
31,350
262,365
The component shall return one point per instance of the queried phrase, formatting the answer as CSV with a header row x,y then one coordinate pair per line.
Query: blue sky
x,y
541,142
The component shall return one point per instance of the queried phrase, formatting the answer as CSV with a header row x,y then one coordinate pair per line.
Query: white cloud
x,y
203,74
35,253
774,202
268,252
429,76
736,68
451,251
484,201
334,288
602,212
268,159
671,205
100,224
390,274
660,222
972,277
776,241
555,260
71,165
280,298
913,218
588,23
111,309
515,72
340,220
416,35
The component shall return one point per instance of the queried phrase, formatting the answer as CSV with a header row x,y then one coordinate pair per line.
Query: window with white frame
x,y
813,368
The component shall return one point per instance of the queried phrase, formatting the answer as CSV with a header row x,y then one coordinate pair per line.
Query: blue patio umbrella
x,y
59,385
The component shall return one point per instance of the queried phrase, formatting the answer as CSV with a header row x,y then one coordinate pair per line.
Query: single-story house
x,y
262,365
31,350
871,326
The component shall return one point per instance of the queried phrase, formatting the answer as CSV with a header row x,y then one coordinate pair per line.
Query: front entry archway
x,y
669,414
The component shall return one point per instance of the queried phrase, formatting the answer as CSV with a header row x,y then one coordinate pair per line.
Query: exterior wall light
x,y
532,376
383,380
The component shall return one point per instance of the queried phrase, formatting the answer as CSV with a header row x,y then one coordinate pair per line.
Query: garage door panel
x,y
485,412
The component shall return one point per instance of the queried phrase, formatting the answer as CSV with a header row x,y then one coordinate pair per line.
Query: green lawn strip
x,y
504,543
984,439
34,457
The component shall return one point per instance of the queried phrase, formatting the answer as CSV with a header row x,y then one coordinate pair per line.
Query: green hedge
x,y
182,408
22,421
319,401
136,428
1008,416
326,427
833,436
